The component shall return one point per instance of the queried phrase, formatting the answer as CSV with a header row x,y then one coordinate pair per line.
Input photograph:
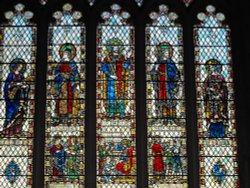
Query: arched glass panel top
x,y
17,93
65,106
215,101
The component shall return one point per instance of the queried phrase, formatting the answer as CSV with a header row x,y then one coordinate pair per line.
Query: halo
x,y
214,62
114,42
126,142
166,45
68,47
15,62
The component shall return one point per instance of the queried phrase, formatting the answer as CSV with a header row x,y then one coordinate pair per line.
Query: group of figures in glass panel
x,y
64,155
215,101
167,165
116,164
17,89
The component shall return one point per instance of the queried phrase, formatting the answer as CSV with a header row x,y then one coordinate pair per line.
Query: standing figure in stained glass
x,y
173,159
65,82
177,164
125,166
58,154
166,74
104,150
108,170
168,150
71,164
157,152
16,92
215,99
115,67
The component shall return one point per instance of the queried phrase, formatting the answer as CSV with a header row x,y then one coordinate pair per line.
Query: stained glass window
x,y
215,101
17,90
65,106
116,163
167,162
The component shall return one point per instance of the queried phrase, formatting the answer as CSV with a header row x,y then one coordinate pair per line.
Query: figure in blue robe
x,y
177,167
215,99
115,67
165,75
15,94
12,172
58,155
219,172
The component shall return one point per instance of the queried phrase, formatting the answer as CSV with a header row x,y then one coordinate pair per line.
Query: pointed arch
x,y
65,103
17,93
116,162
166,123
215,101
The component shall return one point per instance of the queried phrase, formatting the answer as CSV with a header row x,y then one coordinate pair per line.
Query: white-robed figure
x,y
108,170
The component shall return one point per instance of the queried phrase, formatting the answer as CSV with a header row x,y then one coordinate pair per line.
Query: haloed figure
x,y
115,67
16,92
65,82
215,99
166,75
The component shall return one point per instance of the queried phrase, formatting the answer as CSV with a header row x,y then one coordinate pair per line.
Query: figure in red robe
x,y
65,82
58,156
125,167
166,76
157,152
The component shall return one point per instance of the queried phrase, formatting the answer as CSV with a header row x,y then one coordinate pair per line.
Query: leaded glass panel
x,y
167,157
17,93
116,161
65,106
215,102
